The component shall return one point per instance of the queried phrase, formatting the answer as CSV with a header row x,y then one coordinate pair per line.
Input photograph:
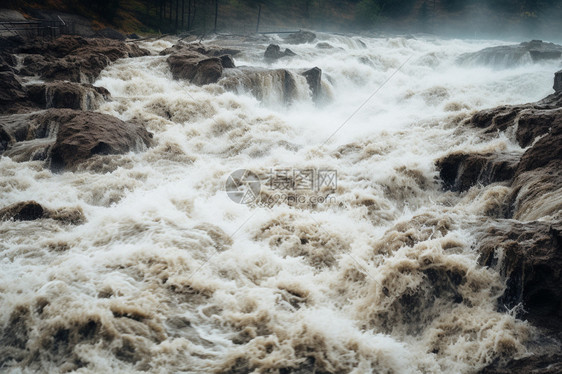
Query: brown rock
x,y
273,52
23,211
195,67
314,79
68,95
11,90
65,138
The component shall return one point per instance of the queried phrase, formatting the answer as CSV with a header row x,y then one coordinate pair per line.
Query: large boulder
x,y
273,52
65,138
195,67
512,55
32,210
197,63
314,79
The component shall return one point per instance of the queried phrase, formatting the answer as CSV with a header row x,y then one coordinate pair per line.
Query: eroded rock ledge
x,y
525,245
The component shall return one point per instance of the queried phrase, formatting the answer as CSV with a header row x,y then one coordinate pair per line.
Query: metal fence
x,y
37,28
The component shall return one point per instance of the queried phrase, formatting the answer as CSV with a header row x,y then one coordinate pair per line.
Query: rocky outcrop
x,y
512,55
65,138
198,64
460,171
273,52
73,58
314,79
300,37
11,91
67,95
558,81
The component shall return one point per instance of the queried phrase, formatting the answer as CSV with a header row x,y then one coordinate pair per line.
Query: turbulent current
x,y
365,266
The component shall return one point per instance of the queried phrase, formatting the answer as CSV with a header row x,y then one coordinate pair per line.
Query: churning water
x,y
372,269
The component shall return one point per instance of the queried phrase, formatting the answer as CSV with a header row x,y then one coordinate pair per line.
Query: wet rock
x,y
74,58
324,45
273,52
261,82
133,36
512,55
300,37
206,50
11,90
227,62
460,171
65,138
535,364
23,211
529,256
82,135
558,81
314,79
68,95
529,120
195,67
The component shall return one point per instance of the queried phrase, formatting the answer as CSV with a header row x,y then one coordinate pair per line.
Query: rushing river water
x,y
362,265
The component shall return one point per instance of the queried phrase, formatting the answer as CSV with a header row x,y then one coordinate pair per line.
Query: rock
x,y
512,55
324,45
32,210
261,82
68,95
300,37
194,67
74,58
65,137
23,211
531,120
273,52
206,50
545,150
227,62
11,90
544,363
110,33
558,81
529,257
460,171
314,79
133,36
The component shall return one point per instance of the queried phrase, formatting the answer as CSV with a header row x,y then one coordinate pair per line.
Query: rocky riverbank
x,y
523,240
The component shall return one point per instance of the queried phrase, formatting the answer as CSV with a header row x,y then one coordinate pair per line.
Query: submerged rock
x,y
511,55
300,37
65,138
273,52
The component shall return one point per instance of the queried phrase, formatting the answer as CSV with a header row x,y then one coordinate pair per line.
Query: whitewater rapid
x,y
168,274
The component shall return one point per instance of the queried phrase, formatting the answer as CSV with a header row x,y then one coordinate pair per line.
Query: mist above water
x,y
169,274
